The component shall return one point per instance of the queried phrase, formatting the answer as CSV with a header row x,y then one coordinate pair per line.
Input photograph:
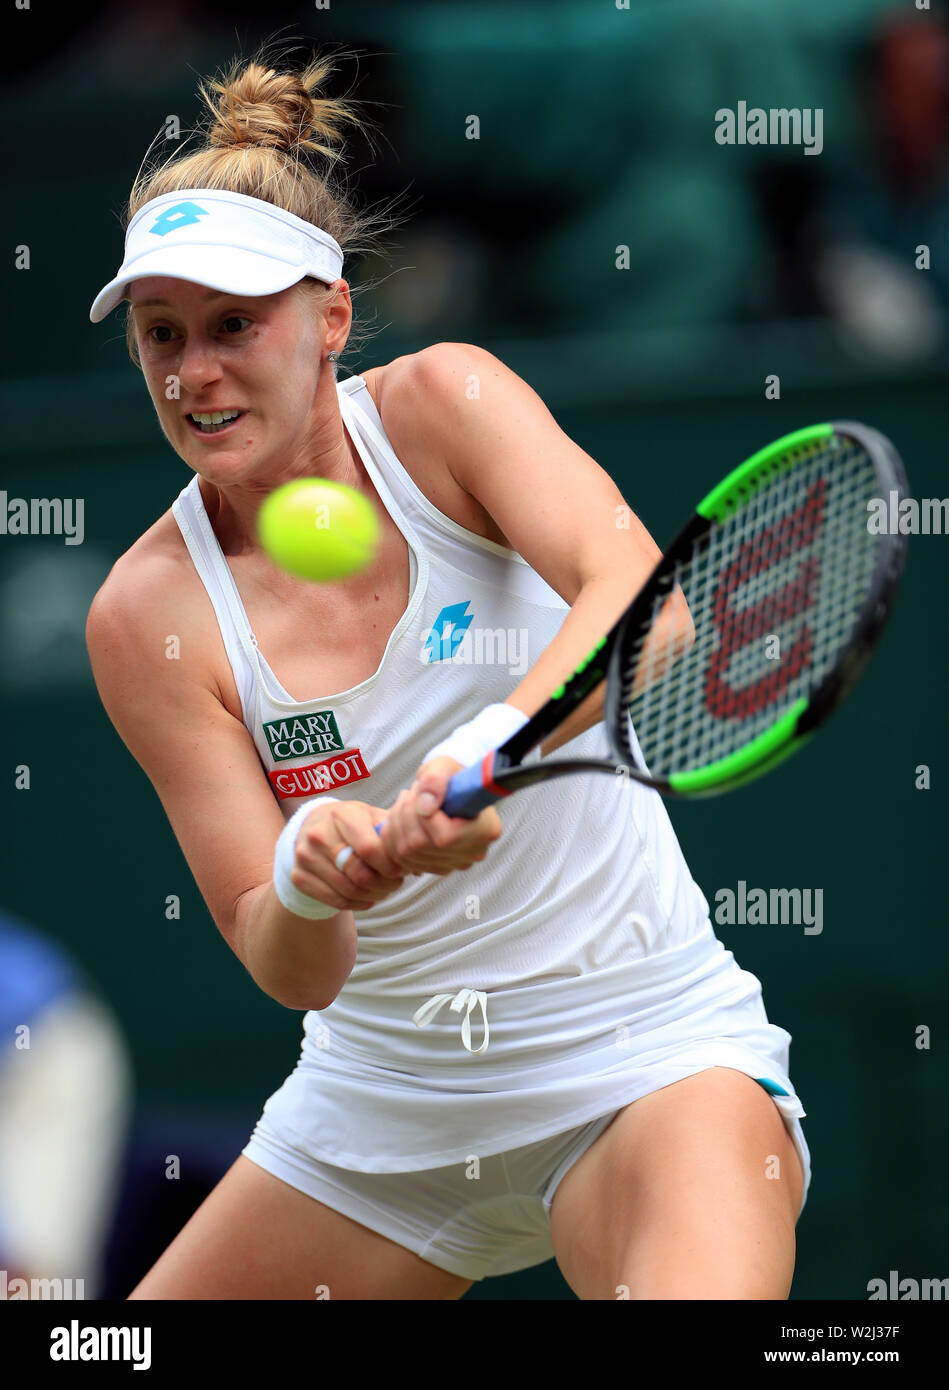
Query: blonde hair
x,y
265,130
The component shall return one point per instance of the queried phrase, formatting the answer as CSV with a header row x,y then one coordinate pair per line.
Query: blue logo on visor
x,y
181,215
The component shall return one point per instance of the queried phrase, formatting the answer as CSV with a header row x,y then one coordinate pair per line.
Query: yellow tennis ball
x,y
318,529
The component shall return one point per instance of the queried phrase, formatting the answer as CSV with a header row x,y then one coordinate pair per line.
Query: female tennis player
x,y
549,1054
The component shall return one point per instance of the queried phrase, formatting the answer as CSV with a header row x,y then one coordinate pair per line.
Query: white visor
x,y
223,240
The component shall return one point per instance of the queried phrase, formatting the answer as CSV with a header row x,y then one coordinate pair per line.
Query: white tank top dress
x,y
572,971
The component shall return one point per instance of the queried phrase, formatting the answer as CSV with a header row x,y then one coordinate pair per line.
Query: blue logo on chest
x,y
447,631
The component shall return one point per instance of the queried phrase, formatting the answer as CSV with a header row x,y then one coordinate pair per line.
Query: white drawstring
x,y
470,997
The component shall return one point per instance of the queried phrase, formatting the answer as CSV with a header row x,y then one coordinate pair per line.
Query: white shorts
x,y
495,1221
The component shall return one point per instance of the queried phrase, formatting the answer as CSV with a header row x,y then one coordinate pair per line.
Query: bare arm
x,y
203,764
559,509
301,964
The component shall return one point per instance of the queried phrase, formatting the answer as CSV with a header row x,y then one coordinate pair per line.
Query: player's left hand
x,y
422,839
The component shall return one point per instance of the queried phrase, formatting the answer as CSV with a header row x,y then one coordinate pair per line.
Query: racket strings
x,y
774,591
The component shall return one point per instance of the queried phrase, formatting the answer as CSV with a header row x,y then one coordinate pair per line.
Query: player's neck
x,y
232,508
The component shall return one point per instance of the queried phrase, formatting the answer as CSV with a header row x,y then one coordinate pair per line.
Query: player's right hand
x,y
369,874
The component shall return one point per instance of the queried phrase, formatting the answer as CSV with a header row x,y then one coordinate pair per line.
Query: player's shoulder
x,y
432,369
146,596
416,396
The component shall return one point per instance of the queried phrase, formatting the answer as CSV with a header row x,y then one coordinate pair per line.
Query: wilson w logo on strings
x,y
737,627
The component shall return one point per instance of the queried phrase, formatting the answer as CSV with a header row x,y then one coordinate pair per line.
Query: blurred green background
x,y
596,132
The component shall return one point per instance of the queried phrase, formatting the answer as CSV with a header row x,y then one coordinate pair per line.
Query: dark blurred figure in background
x,y
844,240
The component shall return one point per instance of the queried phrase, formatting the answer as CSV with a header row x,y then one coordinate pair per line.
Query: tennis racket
x,y
751,630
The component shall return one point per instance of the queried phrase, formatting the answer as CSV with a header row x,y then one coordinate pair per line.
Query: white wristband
x,y
287,892
469,742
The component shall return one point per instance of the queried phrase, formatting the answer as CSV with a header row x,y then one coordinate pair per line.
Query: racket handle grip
x,y
465,797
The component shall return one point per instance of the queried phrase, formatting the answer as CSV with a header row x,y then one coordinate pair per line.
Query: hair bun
x,y
257,106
